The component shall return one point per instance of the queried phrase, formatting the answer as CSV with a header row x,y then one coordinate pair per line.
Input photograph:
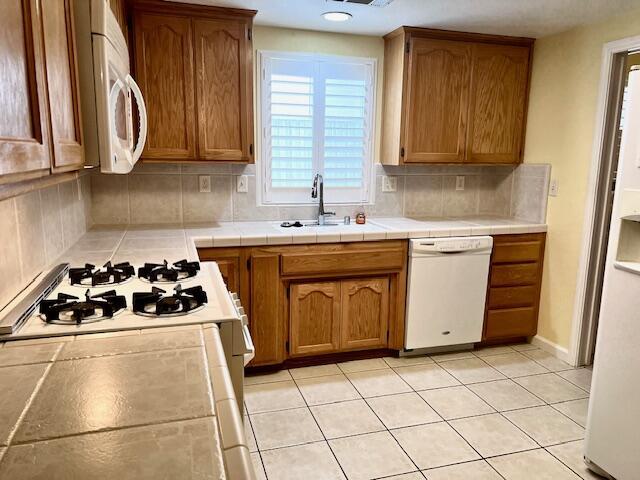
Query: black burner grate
x,y
155,303
107,275
163,273
69,310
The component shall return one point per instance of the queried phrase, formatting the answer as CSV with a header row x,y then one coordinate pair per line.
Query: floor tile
x,y
403,410
443,357
25,355
363,365
138,389
547,360
520,466
184,449
572,455
279,376
580,377
378,382
524,347
285,428
407,476
478,470
257,466
370,456
434,445
423,377
546,425
471,370
315,371
515,365
269,397
407,361
346,418
551,388
329,389
249,436
505,395
487,351
18,384
285,463
456,402
492,435
576,410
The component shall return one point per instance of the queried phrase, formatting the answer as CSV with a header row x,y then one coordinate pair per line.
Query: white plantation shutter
x,y
317,117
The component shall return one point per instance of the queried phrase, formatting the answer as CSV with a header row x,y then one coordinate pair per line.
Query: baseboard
x,y
554,349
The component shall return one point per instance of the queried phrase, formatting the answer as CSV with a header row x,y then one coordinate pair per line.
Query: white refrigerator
x,y
612,442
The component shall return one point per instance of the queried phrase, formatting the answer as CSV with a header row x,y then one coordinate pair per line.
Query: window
x,y
316,117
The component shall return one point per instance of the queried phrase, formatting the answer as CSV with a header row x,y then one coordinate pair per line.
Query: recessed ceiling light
x,y
337,16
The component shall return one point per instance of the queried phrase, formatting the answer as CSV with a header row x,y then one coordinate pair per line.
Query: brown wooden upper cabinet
x,y
40,122
194,66
454,97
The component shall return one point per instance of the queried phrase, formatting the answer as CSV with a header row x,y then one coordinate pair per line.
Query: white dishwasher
x,y
446,291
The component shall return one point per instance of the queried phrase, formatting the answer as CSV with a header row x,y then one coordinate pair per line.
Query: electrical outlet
x,y
204,184
554,187
459,182
389,184
242,184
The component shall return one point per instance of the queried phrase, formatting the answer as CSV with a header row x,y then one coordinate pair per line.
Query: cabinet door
x,y
314,319
164,71
437,101
266,323
500,76
365,313
62,80
24,137
223,90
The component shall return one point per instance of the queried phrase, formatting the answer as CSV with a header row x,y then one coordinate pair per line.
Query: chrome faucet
x,y
318,192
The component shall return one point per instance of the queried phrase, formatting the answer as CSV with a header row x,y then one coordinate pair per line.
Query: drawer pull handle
x,y
446,332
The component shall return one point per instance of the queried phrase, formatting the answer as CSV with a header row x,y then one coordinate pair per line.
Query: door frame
x,y
584,315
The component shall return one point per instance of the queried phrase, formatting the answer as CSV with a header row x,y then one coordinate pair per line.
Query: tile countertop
x,y
115,405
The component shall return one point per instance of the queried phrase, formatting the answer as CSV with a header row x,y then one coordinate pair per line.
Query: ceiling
x,y
531,18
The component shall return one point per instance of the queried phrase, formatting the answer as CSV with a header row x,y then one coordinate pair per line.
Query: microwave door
x,y
120,127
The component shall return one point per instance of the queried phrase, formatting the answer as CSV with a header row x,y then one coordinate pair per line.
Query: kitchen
x,y
318,239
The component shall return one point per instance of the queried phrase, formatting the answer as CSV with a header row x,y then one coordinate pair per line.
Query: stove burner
x,y
108,275
163,273
68,310
156,304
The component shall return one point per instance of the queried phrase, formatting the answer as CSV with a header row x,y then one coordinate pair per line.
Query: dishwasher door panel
x,y
446,299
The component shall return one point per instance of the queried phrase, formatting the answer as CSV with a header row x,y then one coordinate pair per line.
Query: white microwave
x,y
107,91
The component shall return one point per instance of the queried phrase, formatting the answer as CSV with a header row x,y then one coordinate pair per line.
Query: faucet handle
x,y
330,213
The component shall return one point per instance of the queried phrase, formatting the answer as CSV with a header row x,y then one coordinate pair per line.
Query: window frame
x,y
302,196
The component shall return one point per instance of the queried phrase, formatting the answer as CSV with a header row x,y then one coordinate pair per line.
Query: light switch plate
x,y
459,182
389,184
242,184
554,188
204,184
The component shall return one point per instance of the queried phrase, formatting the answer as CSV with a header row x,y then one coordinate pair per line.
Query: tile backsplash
x,y
168,193
36,228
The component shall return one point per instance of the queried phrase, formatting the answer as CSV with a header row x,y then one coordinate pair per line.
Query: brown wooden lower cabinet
x,y
515,279
322,299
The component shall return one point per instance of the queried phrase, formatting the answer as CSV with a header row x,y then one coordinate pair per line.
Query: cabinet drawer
x,y
508,297
341,262
517,274
511,323
517,252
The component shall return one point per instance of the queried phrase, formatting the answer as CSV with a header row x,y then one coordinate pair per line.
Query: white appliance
x,y
107,90
446,291
613,425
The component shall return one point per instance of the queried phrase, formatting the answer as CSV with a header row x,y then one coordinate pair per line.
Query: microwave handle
x,y
117,87
142,118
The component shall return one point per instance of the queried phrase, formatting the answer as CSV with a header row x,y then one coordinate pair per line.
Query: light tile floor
x,y
496,413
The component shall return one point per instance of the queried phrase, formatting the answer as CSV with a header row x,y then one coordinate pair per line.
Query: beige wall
x,y
306,41
562,110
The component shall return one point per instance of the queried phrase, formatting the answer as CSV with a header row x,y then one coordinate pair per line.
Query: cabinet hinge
x,y
248,264
286,346
402,152
288,293
407,47
251,149
249,34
